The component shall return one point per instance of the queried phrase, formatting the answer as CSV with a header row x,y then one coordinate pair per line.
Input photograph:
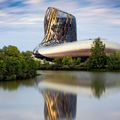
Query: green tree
x,y
11,51
77,61
16,65
27,55
2,69
98,58
113,62
67,60
58,61
45,62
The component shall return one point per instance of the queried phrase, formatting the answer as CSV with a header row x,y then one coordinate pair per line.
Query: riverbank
x,y
73,68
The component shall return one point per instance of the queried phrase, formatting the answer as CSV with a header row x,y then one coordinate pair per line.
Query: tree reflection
x,y
59,105
98,87
14,85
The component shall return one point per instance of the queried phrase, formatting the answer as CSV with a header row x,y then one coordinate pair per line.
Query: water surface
x,y
61,95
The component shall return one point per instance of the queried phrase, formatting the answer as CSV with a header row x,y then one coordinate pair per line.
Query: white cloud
x,y
97,15
67,5
2,14
35,2
2,1
115,21
24,21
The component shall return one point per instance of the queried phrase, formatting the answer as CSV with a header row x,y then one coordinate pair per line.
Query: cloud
x,y
33,1
68,5
115,21
98,16
17,14
34,10
6,4
1,1
30,20
95,16
2,14
107,3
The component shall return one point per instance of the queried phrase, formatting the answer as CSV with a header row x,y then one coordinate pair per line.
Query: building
x,y
59,27
60,38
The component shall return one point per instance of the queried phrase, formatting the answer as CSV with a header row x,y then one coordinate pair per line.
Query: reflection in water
x,y
15,84
98,87
59,105
90,83
67,96
98,84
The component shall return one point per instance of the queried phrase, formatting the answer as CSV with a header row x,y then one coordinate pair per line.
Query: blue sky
x,y
21,21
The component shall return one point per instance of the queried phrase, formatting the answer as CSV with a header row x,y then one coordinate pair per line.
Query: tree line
x,y
15,64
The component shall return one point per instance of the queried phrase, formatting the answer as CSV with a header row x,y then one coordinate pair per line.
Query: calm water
x,y
62,95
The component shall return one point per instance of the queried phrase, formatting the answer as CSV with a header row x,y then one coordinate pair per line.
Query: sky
x,y
22,21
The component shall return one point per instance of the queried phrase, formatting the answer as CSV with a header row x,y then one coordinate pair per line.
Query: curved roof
x,y
73,46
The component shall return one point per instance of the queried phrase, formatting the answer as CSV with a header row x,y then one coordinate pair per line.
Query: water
x,y
62,95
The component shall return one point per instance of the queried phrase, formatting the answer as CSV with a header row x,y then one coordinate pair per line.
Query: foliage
x,y
67,60
57,61
16,65
77,61
113,62
98,57
45,62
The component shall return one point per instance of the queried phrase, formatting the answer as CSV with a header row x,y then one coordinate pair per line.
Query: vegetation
x,y
15,64
100,61
113,62
66,63
98,58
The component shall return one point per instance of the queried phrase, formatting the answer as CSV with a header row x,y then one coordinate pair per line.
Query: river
x,y
62,95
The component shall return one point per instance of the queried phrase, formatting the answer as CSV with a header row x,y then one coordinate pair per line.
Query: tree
x,y
45,62
2,69
67,60
98,57
113,61
11,51
27,54
16,65
58,61
77,61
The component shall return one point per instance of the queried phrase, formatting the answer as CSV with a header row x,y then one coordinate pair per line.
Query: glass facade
x,y
59,27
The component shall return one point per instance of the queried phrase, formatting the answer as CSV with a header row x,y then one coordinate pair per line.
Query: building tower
x,y
59,27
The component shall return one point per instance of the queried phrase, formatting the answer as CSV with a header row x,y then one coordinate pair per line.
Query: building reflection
x,y
59,105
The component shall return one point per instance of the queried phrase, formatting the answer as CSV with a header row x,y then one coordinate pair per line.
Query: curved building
x,y
60,38
59,27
